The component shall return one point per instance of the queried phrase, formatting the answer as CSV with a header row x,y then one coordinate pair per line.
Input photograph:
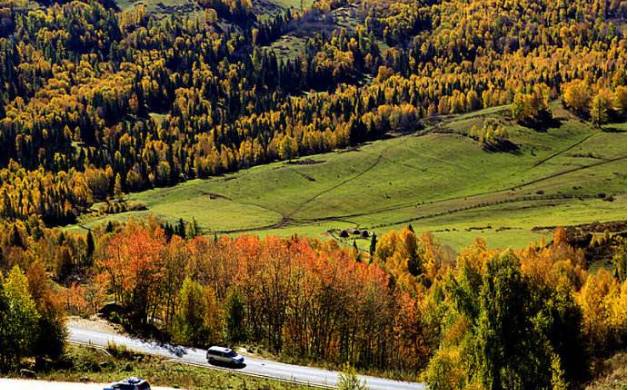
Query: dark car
x,y
129,384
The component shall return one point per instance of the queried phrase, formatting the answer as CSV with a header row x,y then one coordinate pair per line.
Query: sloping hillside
x,y
438,180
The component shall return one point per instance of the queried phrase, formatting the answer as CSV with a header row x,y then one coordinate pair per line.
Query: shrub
x,y
348,379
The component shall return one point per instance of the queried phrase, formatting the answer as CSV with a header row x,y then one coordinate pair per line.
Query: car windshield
x,y
231,354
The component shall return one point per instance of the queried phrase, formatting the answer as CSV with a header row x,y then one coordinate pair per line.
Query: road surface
x,y
254,366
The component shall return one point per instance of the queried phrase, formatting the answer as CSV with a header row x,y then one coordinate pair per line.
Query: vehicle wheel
x,y
211,361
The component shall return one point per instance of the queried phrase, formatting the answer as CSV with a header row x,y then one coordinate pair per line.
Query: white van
x,y
221,355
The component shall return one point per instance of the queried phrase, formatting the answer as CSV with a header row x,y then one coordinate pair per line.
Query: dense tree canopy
x,y
531,317
97,101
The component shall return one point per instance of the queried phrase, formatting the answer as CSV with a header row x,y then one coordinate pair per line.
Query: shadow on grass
x,y
543,123
608,129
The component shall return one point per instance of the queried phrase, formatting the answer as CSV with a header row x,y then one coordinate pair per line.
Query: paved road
x,y
254,366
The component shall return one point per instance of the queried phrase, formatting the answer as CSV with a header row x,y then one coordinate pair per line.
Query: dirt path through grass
x,y
556,154
335,186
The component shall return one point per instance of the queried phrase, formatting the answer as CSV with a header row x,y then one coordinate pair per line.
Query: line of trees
x,y
534,317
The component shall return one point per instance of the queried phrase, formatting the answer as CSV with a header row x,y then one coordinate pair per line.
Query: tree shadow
x,y
542,123
608,129
501,146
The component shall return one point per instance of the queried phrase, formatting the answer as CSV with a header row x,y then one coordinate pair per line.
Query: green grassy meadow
x,y
438,180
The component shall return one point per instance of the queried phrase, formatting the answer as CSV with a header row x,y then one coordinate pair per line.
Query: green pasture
x,y
438,180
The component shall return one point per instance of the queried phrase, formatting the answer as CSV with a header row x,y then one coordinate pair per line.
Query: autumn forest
x,y
99,100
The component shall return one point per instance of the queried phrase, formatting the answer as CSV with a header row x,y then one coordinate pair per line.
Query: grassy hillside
x,y
438,180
